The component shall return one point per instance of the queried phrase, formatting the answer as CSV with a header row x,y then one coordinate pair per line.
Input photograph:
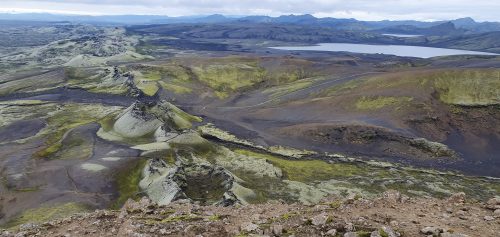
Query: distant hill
x,y
409,26
443,29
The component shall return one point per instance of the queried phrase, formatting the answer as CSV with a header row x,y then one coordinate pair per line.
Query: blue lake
x,y
398,50
403,35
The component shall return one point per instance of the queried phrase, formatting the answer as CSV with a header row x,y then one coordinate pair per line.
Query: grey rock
x,y
489,218
331,232
389,231
28,226
277,230
159,184
430,230
164,183
392,196
494,201
319,219
375,234
457,198
435,148
249,227
448,234
351,234
496,213
349,227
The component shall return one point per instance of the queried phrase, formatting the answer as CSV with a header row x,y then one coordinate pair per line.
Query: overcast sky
x,y
481,10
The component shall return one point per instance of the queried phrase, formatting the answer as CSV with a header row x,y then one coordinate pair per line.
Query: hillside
x,y
392,214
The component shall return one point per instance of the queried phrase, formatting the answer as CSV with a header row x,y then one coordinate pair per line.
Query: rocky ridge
x,y
390,214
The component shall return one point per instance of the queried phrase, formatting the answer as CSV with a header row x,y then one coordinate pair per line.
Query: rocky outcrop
x,y
158,182
386,216
435,148
194,182
378,140
160,121
135,122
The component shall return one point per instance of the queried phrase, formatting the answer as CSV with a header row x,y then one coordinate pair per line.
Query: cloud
x,y
361,9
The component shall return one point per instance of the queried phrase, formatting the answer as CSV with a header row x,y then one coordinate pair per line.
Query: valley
x,y
95,116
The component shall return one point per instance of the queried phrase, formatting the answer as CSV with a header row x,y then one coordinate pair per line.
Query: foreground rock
x,y
390,215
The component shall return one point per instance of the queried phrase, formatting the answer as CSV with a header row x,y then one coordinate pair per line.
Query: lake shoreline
x,y
398,50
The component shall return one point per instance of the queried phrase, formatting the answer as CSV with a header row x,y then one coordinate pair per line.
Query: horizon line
x,y
14,12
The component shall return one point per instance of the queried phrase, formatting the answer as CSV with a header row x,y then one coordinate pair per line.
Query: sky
x,y
423,10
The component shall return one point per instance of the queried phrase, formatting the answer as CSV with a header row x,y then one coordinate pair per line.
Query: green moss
x,y
306,170
456,109
151,75
279,91
227,78
92,80
470,87
342,88
50,150
374,103
170,157
176,88
65,118
47,213
23,102
184,115
382,233
30,189
335,204
176,74
214,218
127,182
288,215
176,117
363,233
149,88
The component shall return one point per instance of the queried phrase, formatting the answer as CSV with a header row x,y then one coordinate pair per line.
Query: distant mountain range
x,y
401,27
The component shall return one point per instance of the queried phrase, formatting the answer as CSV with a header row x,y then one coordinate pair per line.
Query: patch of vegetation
x,y
347,177
148,87
76,74
23,102
214,218
226,75
344,87
64,119
379,102
50,150
335,204
146,80
363,233
128,183
306,170
47,213
29,189
152,75
279,91
382,233
469,87
227,78
289,215
177,72
176,117
176,88
185,116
